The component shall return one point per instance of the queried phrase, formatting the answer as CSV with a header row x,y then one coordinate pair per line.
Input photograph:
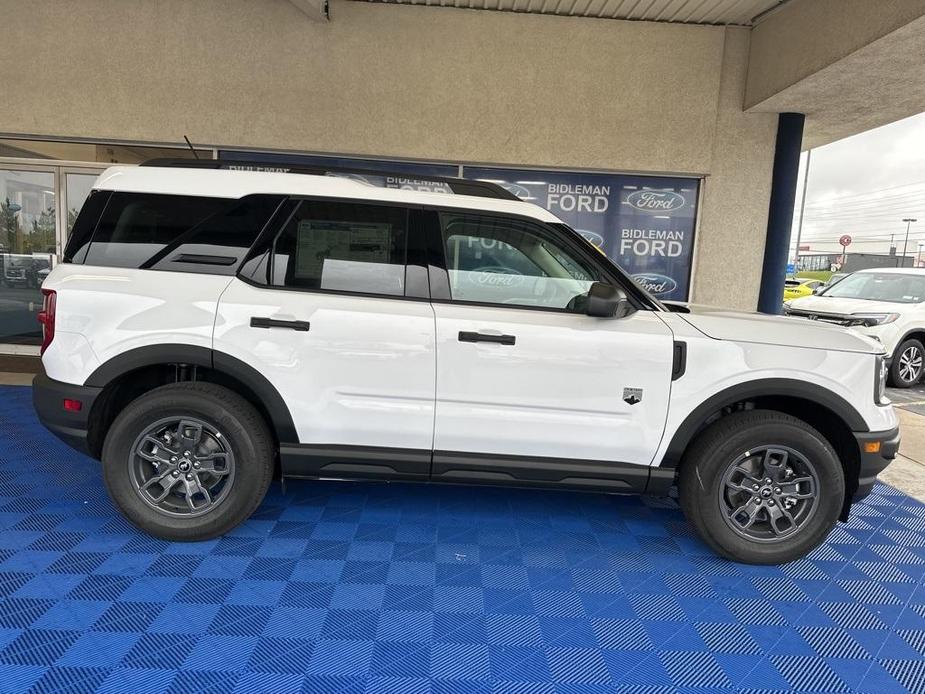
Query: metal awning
x,y
723,12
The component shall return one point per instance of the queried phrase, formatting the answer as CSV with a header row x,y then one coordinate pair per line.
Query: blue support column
x,y
780,211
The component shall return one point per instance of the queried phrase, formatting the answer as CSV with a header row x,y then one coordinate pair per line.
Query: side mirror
x,y
607,301
818,289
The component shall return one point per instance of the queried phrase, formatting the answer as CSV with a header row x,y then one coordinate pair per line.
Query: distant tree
x,y
43,232
9,225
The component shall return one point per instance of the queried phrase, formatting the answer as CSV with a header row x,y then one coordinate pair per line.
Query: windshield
x,y
880,286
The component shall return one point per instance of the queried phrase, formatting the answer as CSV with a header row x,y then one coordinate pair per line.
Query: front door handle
x,y
300,325
465,336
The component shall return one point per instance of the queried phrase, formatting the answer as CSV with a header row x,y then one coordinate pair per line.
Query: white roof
x,y
894,270
223,183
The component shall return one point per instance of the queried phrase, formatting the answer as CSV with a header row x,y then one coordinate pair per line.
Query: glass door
x,y
28,248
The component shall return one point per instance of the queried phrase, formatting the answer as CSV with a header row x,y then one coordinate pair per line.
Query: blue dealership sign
x,y
644,223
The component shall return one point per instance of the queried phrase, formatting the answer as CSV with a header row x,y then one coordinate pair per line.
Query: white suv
x,y
211,328
887,304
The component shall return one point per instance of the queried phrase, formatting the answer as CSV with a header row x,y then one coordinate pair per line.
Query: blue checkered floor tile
x,y
336,587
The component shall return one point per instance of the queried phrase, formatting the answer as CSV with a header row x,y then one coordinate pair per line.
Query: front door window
x,y
499,260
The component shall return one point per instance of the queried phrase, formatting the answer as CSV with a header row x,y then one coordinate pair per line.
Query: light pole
x,y
796,255
908,221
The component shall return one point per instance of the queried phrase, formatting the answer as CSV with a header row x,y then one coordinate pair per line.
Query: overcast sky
x,y
864,186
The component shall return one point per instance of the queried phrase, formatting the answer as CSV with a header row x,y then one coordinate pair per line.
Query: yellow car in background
x,y
796,287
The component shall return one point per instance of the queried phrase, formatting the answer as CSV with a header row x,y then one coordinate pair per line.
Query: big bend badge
x,y
632,396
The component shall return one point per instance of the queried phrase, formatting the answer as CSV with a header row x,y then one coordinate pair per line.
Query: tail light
x,y
47,317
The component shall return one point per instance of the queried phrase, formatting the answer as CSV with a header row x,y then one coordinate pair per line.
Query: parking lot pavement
x,y
908,398
907,472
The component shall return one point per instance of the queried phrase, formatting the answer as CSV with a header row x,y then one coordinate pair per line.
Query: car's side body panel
x,y
715,366
116,310
570,386
362,374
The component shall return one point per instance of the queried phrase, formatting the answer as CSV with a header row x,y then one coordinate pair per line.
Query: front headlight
x,y
880,373
875,318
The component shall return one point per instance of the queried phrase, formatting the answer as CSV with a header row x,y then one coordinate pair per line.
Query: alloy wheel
x,y
182,467
910,364
769,493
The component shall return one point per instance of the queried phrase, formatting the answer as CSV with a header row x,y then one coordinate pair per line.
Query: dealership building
x,y
667,132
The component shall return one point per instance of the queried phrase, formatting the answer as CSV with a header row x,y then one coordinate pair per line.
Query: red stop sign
x,y
845,240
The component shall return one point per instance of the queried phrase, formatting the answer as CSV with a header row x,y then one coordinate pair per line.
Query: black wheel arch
x,y
833,416
177,362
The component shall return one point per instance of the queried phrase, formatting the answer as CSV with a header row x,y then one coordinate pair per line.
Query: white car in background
x,y
887,304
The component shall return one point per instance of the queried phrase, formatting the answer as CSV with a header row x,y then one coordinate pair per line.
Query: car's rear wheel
x,y
188,461
761,487
906,367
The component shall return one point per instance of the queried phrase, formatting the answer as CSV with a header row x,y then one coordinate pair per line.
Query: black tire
x,y
243,431
702,486
903,374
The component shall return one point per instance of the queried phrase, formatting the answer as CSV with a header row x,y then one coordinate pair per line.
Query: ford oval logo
x,y
655,200
518,190
592,236
656,284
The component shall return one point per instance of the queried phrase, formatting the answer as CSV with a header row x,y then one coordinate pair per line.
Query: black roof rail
x,y
459,186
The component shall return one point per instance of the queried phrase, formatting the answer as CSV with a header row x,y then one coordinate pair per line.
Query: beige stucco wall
x,y
735,196
406,81
805,36
849,65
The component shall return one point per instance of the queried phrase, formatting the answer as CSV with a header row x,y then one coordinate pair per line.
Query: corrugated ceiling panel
x,y
738,12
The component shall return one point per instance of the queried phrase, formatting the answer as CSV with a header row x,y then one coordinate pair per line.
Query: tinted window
x,y
340,246
218,243
85,225
507,261
177,232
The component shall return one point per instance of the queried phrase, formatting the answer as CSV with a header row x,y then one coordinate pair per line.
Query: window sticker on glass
x,y
320,240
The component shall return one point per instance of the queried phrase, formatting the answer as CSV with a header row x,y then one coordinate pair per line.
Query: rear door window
x,y
343,247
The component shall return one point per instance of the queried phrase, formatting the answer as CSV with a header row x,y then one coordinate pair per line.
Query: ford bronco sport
x,y
210,328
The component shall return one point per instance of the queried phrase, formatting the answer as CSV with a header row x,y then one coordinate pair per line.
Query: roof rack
x,y
459,186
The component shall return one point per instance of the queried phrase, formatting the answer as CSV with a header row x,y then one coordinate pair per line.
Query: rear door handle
x,y
300,325
465,336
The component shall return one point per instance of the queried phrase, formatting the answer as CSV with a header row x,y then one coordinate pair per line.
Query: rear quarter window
x,y
173,232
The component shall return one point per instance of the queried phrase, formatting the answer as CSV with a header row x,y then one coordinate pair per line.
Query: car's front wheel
x,y
761,487
188,461
906,367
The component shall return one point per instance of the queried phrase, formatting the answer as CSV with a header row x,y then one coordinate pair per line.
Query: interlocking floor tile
x,y
341,587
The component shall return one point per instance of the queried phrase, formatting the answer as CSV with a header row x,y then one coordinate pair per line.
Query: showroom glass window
x,y
343,247
499,260
27,249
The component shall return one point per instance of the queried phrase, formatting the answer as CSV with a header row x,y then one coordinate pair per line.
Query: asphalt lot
x,y
912,399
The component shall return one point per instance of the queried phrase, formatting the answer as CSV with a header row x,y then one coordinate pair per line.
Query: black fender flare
x,y
152,355
763,387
